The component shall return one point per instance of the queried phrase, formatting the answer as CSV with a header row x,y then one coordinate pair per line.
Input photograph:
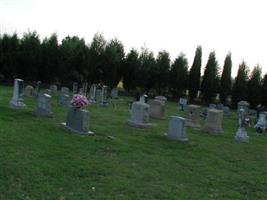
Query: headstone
x,y
182,103
44,106
84,88
219,106
156,109
92,98
226,110
214,121
17,100
193,116
212,106
143,98
177,130
48,91
252,112
53,89
161,98
80,91
78,121
243,105
28,91
104,96
139,115
38,88
114,93
241,134
261,124
64,90
64,100
74,88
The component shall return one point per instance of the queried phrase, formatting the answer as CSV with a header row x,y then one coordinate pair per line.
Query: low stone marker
x,y
114,93
64,100
212,106
156,109
226,110
241,134
162,99
261,124
64,90
139,115
28,91
177,130
193,116
219,106
17,100
214,122
43,106
53,89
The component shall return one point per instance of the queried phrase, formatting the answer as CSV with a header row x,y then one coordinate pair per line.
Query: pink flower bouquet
x,y
79,101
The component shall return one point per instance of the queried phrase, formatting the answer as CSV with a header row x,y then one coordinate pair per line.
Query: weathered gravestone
x,y
156,109
139,115
243,105
226,110
38,88
182,103
92,98
212,106
161,98
28,91
64,98
53,89
219,106
214,122
104,96
143,98
74,88
261,124
114,93
78,121
17,100
193,116
84,88
177,130
44,106
241,134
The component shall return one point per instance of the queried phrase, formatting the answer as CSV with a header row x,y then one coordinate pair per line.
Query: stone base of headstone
x,y
43,113
77,121
209,128
241,135
17,104
138,125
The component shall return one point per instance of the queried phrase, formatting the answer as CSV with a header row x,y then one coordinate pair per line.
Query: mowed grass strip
x,y
40,160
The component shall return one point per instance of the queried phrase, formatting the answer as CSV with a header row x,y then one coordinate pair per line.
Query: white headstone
x,y
44,106
241,134
177,130
139,115
17,100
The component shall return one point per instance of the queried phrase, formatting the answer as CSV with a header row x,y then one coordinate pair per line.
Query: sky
x,y
236,26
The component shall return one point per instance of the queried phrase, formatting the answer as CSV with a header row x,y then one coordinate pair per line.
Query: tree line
x,y
106,62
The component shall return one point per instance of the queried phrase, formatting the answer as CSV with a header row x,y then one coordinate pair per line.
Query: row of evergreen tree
x,y
106,62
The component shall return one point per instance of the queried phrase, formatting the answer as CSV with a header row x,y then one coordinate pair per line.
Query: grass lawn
x,y
41,160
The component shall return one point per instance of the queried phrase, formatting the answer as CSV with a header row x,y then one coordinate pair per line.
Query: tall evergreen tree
x,y
178,76
209,84
163,67
264,91
226,80
194,74
239,91
254,87
130,68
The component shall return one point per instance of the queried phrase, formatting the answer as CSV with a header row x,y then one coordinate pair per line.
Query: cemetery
x,y
72,144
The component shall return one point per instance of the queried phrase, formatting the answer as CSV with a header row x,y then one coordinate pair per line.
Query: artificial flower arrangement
x,y
79,101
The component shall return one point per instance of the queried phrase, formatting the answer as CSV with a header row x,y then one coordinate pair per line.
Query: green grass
x,y
40,160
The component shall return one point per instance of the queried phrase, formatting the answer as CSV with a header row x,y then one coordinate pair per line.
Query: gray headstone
x,y
219,106
53,89
177,130
193,116
139,115
182,103
161,98
38,88
241,134
78,121
17,99
243,105
104,96
226,110
64,90
44,106
84,88
92,96
114,93
212,106
64,100
156,109
214,122
28,91
261,124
